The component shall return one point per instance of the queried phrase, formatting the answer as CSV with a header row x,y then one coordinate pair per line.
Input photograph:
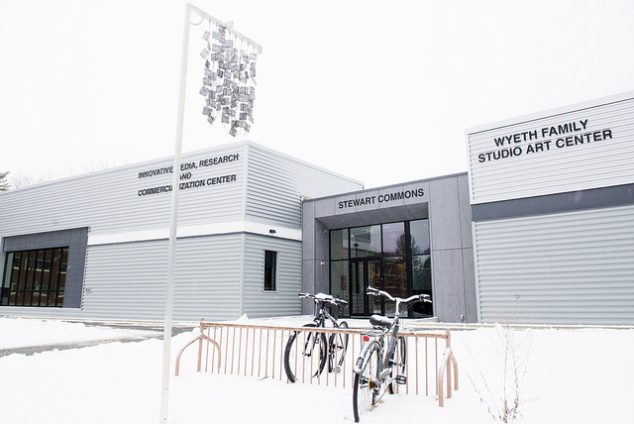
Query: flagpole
x,y
169,286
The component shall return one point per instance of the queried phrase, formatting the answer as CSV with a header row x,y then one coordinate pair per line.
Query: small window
x,y
270,267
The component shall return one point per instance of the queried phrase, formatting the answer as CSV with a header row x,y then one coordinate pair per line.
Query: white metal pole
x,y
169,286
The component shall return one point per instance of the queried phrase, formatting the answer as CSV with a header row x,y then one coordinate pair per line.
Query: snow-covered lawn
x,y
571,376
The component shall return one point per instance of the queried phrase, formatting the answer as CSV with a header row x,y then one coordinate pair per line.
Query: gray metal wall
x,y
549,162
219,246
573,267
445,203
258,302
276,184
452,250
553,231
127,281
108,201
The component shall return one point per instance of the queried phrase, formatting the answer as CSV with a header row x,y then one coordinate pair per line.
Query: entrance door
x,y
364,272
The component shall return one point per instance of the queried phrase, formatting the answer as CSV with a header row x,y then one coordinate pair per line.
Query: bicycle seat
x,y
381,321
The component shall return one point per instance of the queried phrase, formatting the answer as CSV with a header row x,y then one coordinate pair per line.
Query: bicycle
x,y
377,368
316,348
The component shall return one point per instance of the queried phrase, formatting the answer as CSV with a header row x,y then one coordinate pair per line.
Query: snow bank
x,y
580,376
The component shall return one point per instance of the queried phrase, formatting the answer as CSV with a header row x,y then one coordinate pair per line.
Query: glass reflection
x,y
339,284
419,237
394,239
339,244
365,241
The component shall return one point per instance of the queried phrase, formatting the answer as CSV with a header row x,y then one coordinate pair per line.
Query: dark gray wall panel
x,y
604,197
445,215
465,213
469,286
448,285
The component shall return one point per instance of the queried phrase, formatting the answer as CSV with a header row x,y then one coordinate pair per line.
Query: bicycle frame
x,y
320,314
378,340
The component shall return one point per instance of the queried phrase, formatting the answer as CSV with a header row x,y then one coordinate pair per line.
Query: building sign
x,y
538,140
570,149
381,198
190,175
406,194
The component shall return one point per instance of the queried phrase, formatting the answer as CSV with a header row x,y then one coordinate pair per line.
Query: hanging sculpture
x,y
229,79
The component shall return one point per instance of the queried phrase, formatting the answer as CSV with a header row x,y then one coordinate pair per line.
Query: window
x,y
392,256
34,278
270,267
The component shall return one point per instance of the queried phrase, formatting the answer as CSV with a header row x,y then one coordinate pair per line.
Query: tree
x,y
4,184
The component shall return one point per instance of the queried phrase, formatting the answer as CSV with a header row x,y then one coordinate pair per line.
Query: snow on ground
x,y
571,376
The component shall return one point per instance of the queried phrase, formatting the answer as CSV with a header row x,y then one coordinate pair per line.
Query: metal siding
x,y
597,164
276,183
107,201
284,300
127,281
570,268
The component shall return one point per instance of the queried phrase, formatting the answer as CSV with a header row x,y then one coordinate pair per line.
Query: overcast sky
x,y
381,91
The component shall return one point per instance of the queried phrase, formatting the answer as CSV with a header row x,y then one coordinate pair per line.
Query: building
x,y
95,246
540,230
552,202
407,239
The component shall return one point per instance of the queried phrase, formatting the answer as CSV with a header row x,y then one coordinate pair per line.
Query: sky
x,y
379,91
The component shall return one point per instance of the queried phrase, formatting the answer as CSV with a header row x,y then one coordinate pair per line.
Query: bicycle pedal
x,y
337,370
401,379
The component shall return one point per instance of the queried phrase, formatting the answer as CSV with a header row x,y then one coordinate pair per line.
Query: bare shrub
x,y
500,387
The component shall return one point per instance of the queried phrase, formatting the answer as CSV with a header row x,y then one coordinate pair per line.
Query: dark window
x,y
34,278
270,266
393,256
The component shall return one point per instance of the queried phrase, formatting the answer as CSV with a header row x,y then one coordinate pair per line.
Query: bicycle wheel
x,y
366,387
304,355
400,360
338,343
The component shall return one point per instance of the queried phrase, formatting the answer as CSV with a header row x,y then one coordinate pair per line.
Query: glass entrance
x,y
395,257
364,272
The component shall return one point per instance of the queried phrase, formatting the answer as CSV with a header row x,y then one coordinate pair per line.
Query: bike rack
x,y
198,339
448,365
257,351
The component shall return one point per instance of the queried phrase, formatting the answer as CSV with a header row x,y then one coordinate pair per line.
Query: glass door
x,y
364,272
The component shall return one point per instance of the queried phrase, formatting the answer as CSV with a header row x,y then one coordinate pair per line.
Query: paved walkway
x,y
151,333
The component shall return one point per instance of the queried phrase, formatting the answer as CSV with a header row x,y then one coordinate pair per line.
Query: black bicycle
x,y
306,352
380,365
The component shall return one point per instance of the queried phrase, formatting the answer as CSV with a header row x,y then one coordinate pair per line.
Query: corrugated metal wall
x,y
276,182
560,168
206,279
564,268
108,201
126,280
284,301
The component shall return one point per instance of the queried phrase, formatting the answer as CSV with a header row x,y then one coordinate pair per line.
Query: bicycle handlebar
x,y
371,291
325,298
